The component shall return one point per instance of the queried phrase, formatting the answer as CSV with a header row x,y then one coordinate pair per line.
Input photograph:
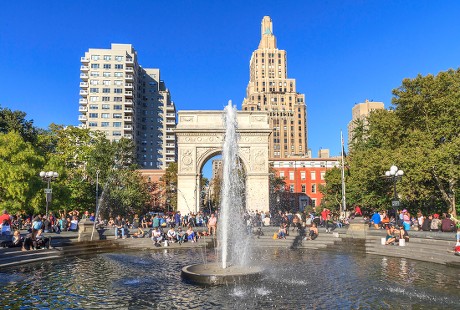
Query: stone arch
x,y
200,136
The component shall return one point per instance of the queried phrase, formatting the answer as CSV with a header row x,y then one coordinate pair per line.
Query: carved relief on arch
x,y
259,159
186,160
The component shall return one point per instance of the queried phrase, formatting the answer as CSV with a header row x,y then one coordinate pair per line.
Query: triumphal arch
x,y
200,136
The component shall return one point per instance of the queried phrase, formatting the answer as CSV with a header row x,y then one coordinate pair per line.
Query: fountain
x,y
234,265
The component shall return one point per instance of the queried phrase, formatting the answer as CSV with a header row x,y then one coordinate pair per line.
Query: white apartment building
x,y
122,99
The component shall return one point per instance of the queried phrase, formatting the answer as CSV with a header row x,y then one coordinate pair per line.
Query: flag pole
x,y
344,204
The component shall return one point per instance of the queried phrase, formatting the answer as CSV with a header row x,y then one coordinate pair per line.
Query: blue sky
x,y
340,52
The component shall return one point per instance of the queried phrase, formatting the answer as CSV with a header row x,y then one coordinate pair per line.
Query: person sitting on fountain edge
x,y
119,225
172,235
157,236
313,233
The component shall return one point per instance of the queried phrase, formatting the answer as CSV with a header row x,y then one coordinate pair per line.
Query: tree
x,y
20,185
169,184
15,121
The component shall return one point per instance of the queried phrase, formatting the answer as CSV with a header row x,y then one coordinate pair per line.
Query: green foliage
x,y
421,136
15,121
19,168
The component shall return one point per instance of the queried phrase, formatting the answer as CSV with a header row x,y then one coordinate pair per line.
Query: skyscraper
x,y
122,99
361,111
269,89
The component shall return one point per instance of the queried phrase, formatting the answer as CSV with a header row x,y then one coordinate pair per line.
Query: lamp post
x,y
394,174
48,177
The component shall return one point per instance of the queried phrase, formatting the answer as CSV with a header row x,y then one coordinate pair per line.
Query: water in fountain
x,y
232,231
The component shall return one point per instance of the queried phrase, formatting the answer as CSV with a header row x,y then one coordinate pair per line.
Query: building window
x,y
106,90
117,90
105,115
291,188
105,98
302,175
94,90
107,66
93,115
116,133
117,107
119,58
105,124
313,202
313,175
117,99
323,175
94,66
117,66
94,57
291,175
281,174
105,106
313,188
93,107
118,82
107,57
106,74
93,98
117,115
118,74
116,124
92,124
94,82
303,188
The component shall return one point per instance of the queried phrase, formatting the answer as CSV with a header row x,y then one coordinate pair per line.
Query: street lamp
x,y
48,177
394,174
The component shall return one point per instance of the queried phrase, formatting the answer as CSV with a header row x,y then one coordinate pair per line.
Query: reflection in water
x,y
293,280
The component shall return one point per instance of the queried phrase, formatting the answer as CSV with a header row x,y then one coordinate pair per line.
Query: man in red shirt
x,y
5,216
324,215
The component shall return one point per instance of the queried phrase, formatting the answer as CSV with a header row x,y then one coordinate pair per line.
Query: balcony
x,y
84,76
129,77
169,115
171,122
128,93
128,85
128,103
83,84
129,69
84,59
169,159
129,62
128,127
84,68
81,126
168,145
128,136
82,118
170,138
169,107
82,109
83,92
128,110
83,101
128,119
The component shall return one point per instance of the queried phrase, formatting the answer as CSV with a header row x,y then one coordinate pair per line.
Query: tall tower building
x,y
269,89
122,99
361,111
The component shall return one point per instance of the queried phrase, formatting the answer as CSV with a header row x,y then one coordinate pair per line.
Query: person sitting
x,y
376,219
391,235
40,241
74,224
282,232
191,236
5,228
447,225
180,235
403,234
139,233
426,224
157,236
435,223
17,240
313,232
171,235
119,226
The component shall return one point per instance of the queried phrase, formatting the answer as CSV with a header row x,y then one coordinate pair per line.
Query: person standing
x,y
212,224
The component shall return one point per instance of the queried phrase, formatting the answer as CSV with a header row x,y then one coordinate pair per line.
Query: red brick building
x,y
303,178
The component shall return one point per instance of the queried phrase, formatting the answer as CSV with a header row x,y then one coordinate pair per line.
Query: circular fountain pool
x,y
290,280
